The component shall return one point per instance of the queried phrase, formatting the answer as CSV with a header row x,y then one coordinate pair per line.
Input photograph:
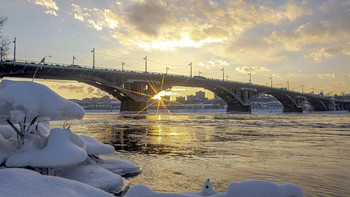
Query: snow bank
x,y
118,166
16,182
33,99
252,188
94,147
62,150
97,177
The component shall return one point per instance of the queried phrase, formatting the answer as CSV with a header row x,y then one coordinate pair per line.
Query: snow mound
x,y
252,188
94,147
21,182
97,177
118,166
33,99
62,150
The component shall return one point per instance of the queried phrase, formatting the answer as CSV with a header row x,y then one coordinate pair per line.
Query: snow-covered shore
x,y
37,160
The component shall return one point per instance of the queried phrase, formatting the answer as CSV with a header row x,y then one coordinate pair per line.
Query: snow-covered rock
x,y
118,166
16,182
62,150
252,188
97,177
30,99
94,147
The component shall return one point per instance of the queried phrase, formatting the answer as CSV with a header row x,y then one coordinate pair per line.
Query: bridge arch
x,y
289,104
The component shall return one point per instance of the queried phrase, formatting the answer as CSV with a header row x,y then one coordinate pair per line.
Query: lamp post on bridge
x,y
250,78
287,85
166,70
123,64
14,52
223,73
40,66
1,49
302,88
227,77
145,58
190,64
93,58
313,90
271,81
199,73
73,61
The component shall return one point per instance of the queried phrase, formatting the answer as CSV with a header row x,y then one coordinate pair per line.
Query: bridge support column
x,y
292,109
331,105
236,108
132,107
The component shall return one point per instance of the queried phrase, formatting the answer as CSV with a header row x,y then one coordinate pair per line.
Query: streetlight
x,y
93,58
1,54
287,85
123,64
39,66
14,52
313,90
190,64
145,63
302,88
250,78
227,77
166,70
271,81
73,61
223,73
199,73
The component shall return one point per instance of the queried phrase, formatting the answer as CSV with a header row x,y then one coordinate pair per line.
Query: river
x,y
179,151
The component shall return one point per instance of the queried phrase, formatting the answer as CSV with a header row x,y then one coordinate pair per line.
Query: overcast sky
x,y
304,42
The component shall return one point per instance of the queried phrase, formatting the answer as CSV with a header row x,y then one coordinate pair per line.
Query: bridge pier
x,y
133,107
236,108
292,109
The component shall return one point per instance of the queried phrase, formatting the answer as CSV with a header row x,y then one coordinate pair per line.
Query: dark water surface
x,y
178,152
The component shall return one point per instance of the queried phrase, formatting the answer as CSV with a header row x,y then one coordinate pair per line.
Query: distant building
x,y
181,99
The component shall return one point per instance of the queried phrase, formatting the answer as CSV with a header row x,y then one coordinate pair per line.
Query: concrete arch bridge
x,y
133,89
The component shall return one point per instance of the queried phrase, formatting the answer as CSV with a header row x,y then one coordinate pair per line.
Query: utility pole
x,y
123,64
271,81
223,73
14,52
287,85
250,78
190,64
73,61
145,63
166,71
93,58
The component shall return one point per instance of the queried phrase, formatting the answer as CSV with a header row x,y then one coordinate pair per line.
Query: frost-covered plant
x,y
24,130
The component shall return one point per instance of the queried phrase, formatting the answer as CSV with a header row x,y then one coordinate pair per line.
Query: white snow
x,y
61,150
118,166
95,176
16,182
25,98
252,188
94,147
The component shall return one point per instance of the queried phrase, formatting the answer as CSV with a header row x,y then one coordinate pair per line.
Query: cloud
x,y
329,52
326,76
251,69
50,5
214,63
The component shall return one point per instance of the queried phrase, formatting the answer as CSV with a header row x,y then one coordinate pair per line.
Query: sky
x,y
305,43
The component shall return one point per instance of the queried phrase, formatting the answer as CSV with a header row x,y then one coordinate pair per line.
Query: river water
x,y
178,152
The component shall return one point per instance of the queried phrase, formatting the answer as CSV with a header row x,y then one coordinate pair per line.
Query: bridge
x,y
133,89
